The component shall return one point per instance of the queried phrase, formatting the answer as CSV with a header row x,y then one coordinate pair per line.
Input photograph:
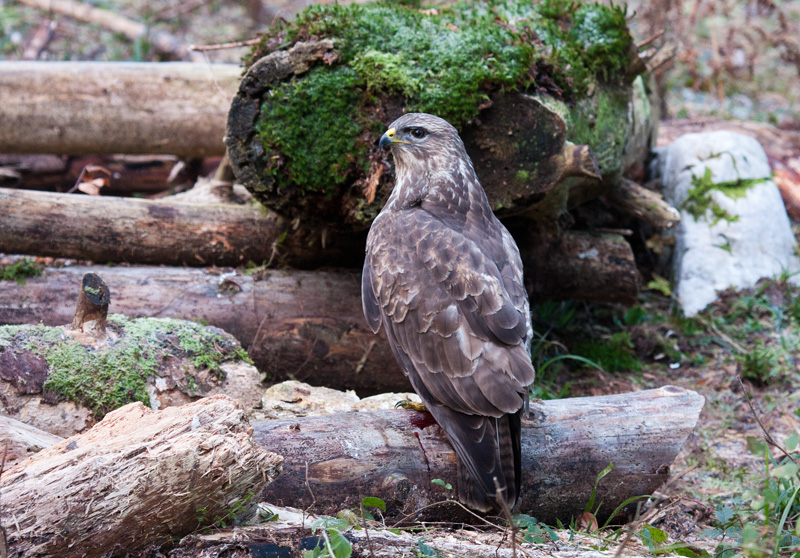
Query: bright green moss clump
x,y
699,201
445,61
107,378
20,271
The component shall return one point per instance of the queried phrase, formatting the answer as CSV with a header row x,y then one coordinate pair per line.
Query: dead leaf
x,y
587,522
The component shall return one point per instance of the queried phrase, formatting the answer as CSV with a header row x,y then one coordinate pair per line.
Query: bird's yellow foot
x,y
411,406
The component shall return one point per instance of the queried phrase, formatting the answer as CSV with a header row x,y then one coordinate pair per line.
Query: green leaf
x,y
426,550
660,284
756,446
791,441
786,470
440,482
523,521
372,502
600,475
724,515
340,546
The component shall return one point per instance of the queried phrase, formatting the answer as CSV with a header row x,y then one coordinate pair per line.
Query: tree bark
x,y
106,229
577,265
81,108
298,325
139,477
333,461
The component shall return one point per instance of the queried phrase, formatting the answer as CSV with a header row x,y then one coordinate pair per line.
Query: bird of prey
x,y
443,277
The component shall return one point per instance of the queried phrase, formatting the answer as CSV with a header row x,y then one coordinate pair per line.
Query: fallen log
x,y
532,145
300,325
107,107
20,440
138,478
106,229
333,461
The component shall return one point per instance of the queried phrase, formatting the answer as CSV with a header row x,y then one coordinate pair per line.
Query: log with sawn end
x,y
334,461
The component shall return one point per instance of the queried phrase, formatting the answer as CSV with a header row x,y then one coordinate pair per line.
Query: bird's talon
x,y
411,406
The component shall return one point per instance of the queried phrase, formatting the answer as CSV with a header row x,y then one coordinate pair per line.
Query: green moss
x,y
313,118
20,271
105,379
446,62
599,121
522,175
699,201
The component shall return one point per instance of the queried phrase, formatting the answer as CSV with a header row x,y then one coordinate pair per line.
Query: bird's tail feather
x,y
488,451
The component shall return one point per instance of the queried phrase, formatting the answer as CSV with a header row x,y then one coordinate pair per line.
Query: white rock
x,y
711,257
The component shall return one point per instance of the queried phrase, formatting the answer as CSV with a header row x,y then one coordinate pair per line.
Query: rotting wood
x,y
577,265
93,298
139,477
394,455
81,108
22,440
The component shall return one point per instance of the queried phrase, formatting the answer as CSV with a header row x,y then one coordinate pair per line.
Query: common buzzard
x,y
444,278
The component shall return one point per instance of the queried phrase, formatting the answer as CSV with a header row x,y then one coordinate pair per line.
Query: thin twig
x,y
3,536
498,495
767,436
366,530
630,528
221,46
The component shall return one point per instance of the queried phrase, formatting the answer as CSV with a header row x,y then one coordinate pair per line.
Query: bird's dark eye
x,y
418,133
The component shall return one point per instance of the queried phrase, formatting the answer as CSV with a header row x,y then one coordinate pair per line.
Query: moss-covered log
x,y
522,81
49,373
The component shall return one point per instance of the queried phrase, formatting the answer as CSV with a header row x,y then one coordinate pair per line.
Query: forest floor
x,y
730,489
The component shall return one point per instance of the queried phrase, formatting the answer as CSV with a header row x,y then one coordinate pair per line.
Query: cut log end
x,y
92,307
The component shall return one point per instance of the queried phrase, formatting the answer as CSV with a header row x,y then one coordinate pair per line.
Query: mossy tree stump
x,y
548,98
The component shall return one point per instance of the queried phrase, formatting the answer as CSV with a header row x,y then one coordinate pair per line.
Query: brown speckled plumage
x,y
444,278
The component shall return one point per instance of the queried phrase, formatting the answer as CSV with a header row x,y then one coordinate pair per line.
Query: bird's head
x,y
418,137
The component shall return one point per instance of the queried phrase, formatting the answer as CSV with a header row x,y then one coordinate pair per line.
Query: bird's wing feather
x,y
447,306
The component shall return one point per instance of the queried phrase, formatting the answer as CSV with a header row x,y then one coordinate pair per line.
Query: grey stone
x,y
713,254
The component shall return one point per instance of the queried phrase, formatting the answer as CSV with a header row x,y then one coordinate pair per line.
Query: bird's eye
x,y
418,133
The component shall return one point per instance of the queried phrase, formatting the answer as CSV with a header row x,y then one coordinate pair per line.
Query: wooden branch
x,y
106,229
138,478
646,205
394,455
115,107
92,306
162,41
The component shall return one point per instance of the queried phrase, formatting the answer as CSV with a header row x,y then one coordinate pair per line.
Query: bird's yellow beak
x,y
389,138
